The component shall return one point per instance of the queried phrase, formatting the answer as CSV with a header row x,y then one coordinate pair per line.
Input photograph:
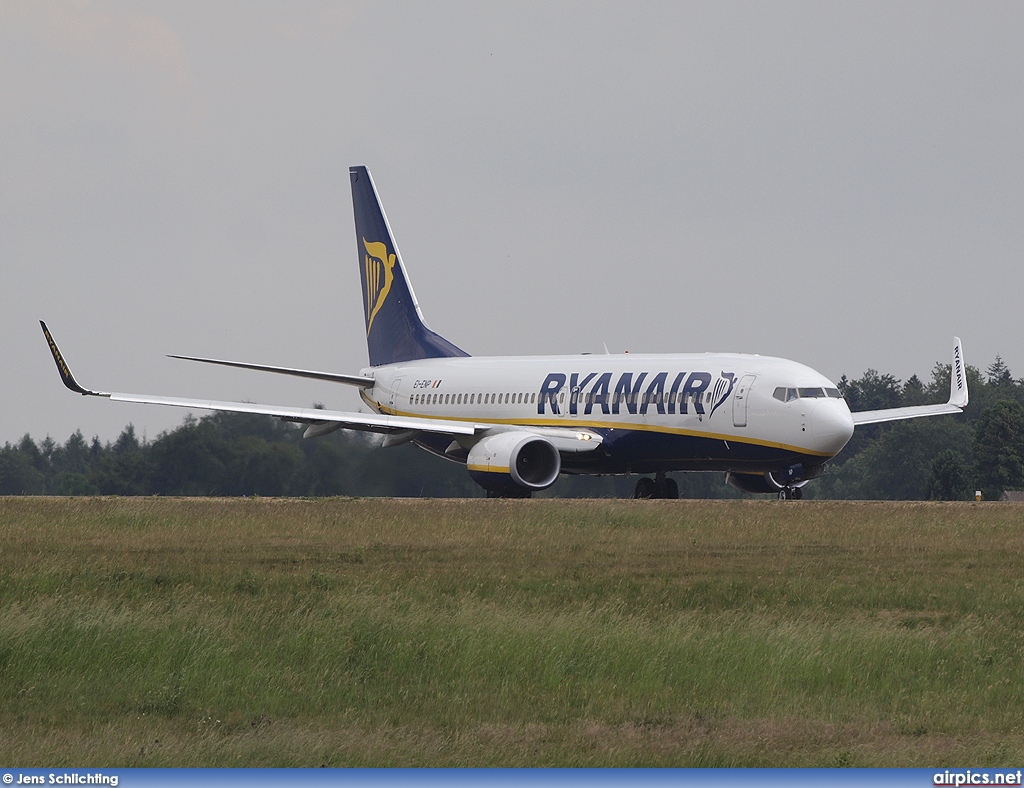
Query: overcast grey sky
x,y
837,183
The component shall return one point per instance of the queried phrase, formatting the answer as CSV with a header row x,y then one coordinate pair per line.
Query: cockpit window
x,y
784,394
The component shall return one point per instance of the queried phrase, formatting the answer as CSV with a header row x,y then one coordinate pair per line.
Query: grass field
x,y
153,632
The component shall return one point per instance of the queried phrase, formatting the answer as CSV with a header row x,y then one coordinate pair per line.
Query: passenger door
x,y
739,401
393,400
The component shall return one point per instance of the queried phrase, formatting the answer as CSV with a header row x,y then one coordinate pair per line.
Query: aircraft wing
x,y
370,422
957,397
896,414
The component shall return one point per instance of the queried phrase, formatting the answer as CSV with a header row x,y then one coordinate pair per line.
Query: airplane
x,y
518,422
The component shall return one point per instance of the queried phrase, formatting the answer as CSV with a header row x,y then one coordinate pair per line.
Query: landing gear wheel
x,y
523,494
658,487
644,488
790,494
668,489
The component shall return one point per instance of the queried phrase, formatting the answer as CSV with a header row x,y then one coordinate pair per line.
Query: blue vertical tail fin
x,y
395,329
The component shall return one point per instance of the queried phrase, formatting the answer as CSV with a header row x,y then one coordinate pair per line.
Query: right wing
x,y
369,422
957,397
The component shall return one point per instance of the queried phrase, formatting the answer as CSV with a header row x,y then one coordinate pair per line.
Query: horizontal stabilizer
x,y
334,377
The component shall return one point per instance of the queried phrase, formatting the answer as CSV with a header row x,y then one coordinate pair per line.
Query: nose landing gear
x,y
658,487
790,494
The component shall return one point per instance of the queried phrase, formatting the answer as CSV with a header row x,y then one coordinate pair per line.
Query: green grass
x,y
152,632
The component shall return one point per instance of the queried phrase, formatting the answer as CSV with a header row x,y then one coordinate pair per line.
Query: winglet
x,y
63,369
957,378
957,397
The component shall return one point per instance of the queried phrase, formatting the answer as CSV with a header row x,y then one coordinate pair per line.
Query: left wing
x,y
370,422
957,397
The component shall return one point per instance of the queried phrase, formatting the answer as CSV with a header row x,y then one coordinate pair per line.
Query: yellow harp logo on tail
x,y
379,276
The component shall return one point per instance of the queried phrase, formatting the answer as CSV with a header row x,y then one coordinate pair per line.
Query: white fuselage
x,y
701,411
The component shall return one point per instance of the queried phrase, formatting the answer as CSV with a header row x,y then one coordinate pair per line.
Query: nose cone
x,y
831,426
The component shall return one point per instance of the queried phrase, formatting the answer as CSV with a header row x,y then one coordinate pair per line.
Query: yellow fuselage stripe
x,y
607,425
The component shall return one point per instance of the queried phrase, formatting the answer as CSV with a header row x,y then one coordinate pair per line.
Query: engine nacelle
x,y
752,482
773,481
513,462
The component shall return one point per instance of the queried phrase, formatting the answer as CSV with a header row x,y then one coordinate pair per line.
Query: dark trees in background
x,y
951,478
999,448
942,458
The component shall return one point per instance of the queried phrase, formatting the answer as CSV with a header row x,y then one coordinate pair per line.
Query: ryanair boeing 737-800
x,y
517,422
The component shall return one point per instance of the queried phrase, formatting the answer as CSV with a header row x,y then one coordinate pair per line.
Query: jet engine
x,y
787,481
514,463
752,482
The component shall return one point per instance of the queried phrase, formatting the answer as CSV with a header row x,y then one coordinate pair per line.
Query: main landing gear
x,y
658,487
790,494
510,494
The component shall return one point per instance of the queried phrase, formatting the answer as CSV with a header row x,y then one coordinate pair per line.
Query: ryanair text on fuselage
x,y
629,393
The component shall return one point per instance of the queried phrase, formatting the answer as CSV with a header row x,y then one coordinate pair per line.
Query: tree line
x,y
941,458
